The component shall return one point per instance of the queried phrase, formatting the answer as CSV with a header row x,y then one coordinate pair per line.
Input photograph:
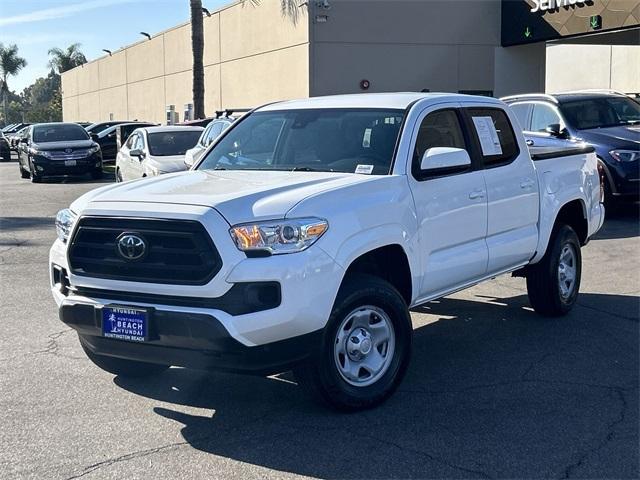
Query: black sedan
x,y
5,150
108,138
51,149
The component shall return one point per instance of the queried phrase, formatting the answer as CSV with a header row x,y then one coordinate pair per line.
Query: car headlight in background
x,y
64,223
279,236
93,149
625,155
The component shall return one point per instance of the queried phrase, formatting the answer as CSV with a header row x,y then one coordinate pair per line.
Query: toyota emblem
x,y
131,246
68,150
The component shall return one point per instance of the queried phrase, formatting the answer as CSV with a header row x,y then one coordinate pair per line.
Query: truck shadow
x,y
493,390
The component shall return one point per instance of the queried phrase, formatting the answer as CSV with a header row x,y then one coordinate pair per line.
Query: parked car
x,y
84,124
608,121
5,149
12,129
14,138
108,138
96,128
152,151
53,149
210,133
306,233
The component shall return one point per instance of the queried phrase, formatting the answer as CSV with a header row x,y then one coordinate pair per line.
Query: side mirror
x,y
555,131
94,136
188,161
136,152
442,158
24,140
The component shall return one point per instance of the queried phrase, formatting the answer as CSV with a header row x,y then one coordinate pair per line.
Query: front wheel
x,y
366,346
122,367
554,282
23,173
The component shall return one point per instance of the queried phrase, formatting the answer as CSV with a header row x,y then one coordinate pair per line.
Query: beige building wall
x,y
573,67
439,45
138,82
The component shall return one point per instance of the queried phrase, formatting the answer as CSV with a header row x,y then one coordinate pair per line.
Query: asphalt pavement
x,y
493,390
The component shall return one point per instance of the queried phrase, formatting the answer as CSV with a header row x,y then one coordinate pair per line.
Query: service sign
x,y
529,21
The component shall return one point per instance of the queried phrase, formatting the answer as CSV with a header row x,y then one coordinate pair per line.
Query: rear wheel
x,y
554,282
122,367
118,175
366,347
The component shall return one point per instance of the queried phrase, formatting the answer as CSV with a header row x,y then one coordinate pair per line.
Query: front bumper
x,y
191,340
47,167
308,281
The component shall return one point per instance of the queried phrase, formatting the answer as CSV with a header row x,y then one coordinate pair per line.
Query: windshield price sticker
x,y
488,136
364,169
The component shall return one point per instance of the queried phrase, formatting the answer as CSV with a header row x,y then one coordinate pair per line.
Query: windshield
x,y
163,144
601,112
330,140
59,133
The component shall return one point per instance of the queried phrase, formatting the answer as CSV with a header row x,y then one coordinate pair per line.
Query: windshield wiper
x,y
309,169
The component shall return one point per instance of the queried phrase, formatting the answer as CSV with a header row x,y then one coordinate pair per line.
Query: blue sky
x,y
38,25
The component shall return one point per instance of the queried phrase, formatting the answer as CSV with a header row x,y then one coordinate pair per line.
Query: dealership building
x,y
255,53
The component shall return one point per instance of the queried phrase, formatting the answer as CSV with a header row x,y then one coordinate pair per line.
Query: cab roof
x,y
397,101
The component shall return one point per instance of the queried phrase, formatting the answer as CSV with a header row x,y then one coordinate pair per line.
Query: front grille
x,y
62,155
178,252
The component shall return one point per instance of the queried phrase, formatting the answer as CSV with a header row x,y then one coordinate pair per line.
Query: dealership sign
x,y
529,21
544,5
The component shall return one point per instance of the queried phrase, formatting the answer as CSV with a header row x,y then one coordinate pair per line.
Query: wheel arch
x,y
389,262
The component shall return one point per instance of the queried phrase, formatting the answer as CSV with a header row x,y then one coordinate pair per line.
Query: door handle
x,y
476,194
527,183
530,143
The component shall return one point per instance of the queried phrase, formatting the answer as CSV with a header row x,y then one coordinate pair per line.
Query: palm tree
x,y
288,7
197,46
10,64
63,60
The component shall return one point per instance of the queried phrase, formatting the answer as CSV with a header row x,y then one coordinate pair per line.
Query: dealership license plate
x,y
125,323
69,163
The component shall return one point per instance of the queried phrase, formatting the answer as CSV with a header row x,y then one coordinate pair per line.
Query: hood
x,y
168,164
62,145
616,137
240,196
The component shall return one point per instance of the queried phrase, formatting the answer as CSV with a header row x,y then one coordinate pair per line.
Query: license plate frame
x,y
127,323
70,163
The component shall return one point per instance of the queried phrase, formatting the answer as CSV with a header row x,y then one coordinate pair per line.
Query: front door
x,y
451,209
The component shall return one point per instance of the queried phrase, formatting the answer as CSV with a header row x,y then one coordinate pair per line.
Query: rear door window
x,y
493,135
521,111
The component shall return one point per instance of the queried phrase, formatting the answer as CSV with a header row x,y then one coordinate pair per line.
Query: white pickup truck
x,y
308,230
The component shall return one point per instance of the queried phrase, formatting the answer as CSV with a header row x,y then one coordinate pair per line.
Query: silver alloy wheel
x,y
567,271
364,346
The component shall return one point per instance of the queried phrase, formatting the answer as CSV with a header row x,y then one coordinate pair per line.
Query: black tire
x,y
321,377
544,281
118,176
23,173
122,367
97,174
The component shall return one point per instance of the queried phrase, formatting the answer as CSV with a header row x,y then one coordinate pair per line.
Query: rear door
x,y
451,208
512,187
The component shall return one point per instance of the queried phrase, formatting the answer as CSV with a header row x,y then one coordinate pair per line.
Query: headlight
x,y
625,155
42,153
94,149
279,236
64,223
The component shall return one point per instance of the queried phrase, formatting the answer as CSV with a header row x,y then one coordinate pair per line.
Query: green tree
x,y
10,65
63,60
42,100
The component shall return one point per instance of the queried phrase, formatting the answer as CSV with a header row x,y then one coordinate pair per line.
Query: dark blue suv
x,y
608,121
